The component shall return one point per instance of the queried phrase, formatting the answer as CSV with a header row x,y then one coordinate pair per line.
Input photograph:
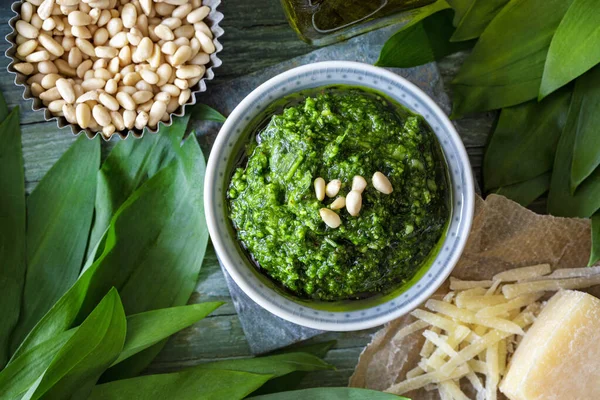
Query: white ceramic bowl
x,y
349,315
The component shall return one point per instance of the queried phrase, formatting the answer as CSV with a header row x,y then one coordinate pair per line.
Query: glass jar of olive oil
x,y
322,22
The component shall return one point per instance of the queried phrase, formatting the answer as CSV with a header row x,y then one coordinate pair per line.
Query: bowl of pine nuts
x,y
243,183
113,67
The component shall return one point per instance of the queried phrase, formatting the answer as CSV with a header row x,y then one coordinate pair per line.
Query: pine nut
x,y
38,56
88,75
382,183
64,68
35,78
188,71
181,83
134,36
170,89
103,73
186,31
164,32
182,41
83,68
184,96
330,218
119,41
144,50
117,120
114,66
114,26
333,187
49,81
202,27
92,95
51,45
93,84
47,67
49,25
86,47
78,18
101,115
24,68
164,73
131,78
145,107
129,15
198,14
182,54
172,23
156,113
129,118
319,185
27,11
141,121
156,59
149,76
162,96
207,44
106,52
144,86
200,59
359,183
81,32
353,202
101,37
125,56
45,9
36,89
50,95
65,88
111,86
146,6
108,101
75,58
108,131
142,96
163,9
27,30
56,106
126,101
182,11
168,48
68,111
338,203
26,48
68,43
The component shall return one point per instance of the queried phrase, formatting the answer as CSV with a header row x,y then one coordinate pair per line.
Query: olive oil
x,y
322,22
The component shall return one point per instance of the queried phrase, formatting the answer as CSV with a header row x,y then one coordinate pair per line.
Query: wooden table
x,y
256,36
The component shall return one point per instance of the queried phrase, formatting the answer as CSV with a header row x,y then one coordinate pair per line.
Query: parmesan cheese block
x,y
559,357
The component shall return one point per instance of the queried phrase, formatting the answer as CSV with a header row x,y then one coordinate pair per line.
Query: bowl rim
x,y
219,148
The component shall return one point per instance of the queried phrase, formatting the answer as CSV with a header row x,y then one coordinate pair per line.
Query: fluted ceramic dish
x,y
212,20
352,314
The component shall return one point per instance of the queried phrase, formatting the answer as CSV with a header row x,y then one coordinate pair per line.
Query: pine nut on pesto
x,y
339,133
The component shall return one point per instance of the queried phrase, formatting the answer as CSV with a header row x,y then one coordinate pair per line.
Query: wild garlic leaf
x,y
477,18
153,211
526,192
574,48
460,8
191,384
424,39
585,201
524,142
595,253
333,393
131,163
150,327
20,374
12,226
59,215
586,149
92,348
202,112
507,63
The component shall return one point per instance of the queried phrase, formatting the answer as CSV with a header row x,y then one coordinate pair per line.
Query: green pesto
x,y
337,134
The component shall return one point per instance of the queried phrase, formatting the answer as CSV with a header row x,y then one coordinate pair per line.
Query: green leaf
x,y
157,240
12,226
586,150
524,142
341,393
460,8
94,346
277,365
202,112
421,42
150,218
507,63
131,163
585,201
59,215
526,192
192,384
477,18
148,328
20,374
595,252
574,48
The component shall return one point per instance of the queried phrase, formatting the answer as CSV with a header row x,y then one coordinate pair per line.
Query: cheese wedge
x,y
559,357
